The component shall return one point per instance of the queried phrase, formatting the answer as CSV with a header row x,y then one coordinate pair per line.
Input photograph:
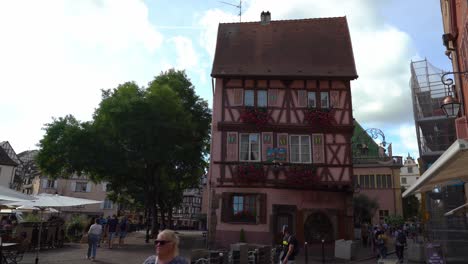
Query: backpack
x,y
380,239
296,246
401,238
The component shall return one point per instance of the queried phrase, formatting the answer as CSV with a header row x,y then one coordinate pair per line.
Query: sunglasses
x,y
161,242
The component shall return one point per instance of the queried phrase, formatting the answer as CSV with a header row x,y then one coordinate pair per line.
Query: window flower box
x,y
320,117
300,175
250,173
254,115
245,216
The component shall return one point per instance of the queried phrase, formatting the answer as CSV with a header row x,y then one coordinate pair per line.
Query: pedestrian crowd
x,y
105,230
379,237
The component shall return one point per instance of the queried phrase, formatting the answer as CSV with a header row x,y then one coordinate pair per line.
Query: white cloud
x,y
186,56
407,141
57,55
209,23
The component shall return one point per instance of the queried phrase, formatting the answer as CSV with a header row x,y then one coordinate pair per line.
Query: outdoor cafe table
x,y
5,245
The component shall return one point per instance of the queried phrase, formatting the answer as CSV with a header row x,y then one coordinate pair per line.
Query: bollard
x,y
305,252
323,251
221,258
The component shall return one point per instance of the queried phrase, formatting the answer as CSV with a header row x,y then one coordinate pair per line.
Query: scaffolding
x,y
435,131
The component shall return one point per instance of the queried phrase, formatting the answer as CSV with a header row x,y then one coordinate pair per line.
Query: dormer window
x,y
311,100
324,100
261,100
249,97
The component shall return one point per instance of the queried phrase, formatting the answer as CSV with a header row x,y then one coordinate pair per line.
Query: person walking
x,y
167,249
123,230
290,247
94,235
364,234
400,243
381,243
112,229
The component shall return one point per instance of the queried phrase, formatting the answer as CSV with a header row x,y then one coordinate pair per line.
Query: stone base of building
x,y
225,238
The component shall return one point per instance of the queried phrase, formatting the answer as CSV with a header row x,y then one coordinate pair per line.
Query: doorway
x,y
317,227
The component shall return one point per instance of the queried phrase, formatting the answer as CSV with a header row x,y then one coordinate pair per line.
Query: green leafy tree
x,y
410,206
394,220
148,143
364,209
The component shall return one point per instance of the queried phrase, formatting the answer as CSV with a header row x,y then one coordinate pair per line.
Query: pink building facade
x,y
281,132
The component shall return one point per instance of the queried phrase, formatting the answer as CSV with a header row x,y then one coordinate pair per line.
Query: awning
x,y
451,212
450,168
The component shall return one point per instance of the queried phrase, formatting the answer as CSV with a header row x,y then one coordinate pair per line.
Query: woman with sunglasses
x,y
167,249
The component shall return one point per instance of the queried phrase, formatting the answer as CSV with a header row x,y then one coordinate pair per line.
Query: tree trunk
x,y
169,217
156,224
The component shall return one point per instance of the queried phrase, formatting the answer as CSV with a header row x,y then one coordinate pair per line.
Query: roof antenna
x,y
237,6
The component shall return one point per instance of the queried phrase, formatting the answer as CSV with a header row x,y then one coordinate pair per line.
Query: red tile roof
x,y
304,48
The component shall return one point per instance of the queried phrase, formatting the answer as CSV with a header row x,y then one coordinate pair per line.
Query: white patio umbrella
x,y
8,195
32,208
45,200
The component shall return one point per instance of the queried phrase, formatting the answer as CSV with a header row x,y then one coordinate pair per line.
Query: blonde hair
x,y
173,237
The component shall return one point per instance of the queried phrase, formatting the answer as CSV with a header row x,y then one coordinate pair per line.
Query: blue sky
x,y
55,56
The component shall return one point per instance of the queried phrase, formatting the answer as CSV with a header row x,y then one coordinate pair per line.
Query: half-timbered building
x,y
281,131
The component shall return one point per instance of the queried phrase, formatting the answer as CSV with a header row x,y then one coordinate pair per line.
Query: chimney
x,y
265,18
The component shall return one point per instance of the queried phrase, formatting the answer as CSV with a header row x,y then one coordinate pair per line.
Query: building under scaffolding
x,y
436,133
434,130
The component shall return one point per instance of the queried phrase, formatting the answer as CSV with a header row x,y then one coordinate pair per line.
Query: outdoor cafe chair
x,y
14,256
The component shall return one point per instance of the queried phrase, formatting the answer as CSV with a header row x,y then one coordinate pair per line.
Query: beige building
x,y
80,187
7,169
8,164
409,174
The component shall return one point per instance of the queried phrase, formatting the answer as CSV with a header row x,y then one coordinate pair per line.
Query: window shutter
x,y
238,97
55,184
232,146
273,97
263,208
102,204
88,187
302,98
73,186
44,183
318,152
282,154
335,99
267,147
226,209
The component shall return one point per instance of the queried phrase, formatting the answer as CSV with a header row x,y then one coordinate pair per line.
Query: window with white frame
x,y
81,186
300,149
311,99
249,147
262,98
324,100
249,96
107,204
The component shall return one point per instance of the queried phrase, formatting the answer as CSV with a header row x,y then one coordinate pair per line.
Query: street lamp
x,y
450,106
